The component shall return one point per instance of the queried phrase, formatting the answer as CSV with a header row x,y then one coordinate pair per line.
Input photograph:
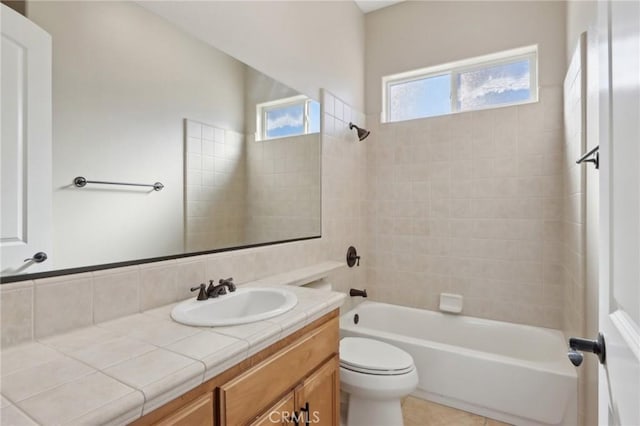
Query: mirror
x,y
137,100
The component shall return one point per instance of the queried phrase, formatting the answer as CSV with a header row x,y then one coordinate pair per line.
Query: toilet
x,y
375,376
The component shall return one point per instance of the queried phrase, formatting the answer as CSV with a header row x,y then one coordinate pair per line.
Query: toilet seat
x,y
368,356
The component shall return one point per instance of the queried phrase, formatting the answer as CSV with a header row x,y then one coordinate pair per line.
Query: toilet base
x,y
365,412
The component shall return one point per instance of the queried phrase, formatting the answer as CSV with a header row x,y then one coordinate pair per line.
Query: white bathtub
x,y
514,373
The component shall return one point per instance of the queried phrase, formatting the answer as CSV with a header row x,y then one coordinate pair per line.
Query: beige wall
x,y
306,44
581,14
419,34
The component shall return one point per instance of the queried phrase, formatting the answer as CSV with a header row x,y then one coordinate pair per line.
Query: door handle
x,y
578,345
39,257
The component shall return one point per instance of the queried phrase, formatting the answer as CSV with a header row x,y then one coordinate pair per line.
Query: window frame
x,y
262,109
454,69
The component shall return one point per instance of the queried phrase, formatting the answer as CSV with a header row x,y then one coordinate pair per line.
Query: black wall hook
x,y
352,257
593,156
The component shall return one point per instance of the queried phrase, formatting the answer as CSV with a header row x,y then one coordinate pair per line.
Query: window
x,y
294,116
505,78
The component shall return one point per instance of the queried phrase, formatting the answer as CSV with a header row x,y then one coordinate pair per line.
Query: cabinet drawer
x,y
245,397
196,413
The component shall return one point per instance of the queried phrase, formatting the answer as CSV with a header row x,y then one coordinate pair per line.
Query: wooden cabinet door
x,y
280,414
197,413
319,396
248,395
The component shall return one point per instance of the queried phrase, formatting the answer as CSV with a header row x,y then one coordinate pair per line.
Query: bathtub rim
x,y
557,366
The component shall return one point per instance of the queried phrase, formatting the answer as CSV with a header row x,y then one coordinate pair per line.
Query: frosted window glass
x,y
494,85
426,97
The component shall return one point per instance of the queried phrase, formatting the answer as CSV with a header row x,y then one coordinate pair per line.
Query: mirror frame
x,y
81,269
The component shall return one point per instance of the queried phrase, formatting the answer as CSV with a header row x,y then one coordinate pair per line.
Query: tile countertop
x,y
117,371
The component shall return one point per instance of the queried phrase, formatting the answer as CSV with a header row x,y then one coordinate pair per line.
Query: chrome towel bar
x,y
595,160
81,182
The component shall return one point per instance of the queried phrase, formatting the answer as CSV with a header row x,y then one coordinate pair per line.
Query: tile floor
x,y
417,412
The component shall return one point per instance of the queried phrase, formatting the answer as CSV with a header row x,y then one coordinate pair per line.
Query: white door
x,y
26,187
619,317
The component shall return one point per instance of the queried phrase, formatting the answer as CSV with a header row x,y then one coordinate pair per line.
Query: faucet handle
x,y
229,283
202,295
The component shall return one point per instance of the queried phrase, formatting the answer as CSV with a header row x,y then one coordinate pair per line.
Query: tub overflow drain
x,y
356,318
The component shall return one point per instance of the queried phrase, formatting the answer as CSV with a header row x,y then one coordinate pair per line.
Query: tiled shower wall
x,y
215,184
283,188
574,198
574,219
470,203
43,307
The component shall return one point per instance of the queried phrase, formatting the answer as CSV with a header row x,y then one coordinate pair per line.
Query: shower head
x,y
362,133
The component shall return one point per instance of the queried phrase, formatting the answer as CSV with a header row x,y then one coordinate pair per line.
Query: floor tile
x,y
418,412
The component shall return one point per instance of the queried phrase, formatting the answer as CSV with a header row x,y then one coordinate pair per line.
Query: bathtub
x,y
514,373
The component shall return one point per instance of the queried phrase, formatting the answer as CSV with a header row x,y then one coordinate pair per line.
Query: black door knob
x,y
575,357
39,257
578,345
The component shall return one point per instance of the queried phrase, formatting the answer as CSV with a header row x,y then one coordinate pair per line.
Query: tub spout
x,y
355,292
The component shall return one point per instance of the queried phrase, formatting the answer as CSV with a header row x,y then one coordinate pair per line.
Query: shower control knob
x,y
352,257
578,345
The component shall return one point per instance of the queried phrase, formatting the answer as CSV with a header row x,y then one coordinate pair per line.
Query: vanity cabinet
x,y
320,394
315,400
248,395
271,387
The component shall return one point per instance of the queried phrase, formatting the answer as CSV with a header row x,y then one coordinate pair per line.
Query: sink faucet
x,y
215,290
221,288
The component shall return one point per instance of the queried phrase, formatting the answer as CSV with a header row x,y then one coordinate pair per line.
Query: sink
x,y
243,306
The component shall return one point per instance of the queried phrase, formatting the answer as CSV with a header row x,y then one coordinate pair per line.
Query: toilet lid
x,y
373,357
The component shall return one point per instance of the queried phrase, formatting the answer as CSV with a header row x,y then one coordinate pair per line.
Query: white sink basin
x,y
243,306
